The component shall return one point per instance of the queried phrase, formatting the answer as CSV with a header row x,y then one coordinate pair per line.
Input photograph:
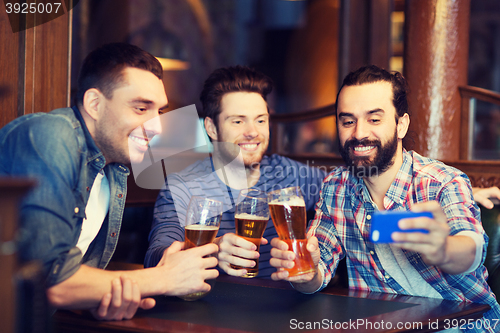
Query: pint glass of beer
x,y
288,212
251,217
203,218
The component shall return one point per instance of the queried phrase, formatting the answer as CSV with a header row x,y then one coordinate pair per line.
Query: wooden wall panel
x,y
34,67
47,65
9,66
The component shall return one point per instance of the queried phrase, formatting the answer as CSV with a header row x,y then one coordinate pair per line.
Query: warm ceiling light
x,y
173,64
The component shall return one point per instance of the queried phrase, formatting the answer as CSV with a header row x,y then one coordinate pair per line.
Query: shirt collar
x,y
398,191
94,151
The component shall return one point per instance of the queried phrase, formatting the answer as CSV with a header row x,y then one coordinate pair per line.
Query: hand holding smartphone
x,y
384,223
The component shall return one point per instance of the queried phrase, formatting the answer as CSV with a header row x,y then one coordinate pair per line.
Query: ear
x,y
92,101
211,128
403,124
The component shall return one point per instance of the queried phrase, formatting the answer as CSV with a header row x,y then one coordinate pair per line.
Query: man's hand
x,y
452,254
122,302
483,195
186,271
431,246
283,258
237,251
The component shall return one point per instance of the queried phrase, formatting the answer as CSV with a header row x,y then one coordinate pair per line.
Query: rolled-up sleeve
x,y
463,214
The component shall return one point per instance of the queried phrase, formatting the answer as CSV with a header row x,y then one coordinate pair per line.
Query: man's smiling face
x,y
126,124
243,121
367,127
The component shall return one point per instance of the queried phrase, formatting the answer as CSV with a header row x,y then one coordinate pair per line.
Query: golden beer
x,y
198,235
203,218
289,219
251,228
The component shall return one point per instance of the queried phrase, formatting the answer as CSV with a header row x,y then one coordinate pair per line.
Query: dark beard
x,y
362,166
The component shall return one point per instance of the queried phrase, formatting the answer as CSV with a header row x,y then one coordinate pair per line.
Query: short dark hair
x,y
231,79
372,74
103,68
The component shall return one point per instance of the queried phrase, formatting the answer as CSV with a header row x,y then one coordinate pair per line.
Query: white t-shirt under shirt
x,y
95,211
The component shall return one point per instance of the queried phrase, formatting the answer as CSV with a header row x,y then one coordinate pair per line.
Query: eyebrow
x,y
348,114
245,116
147,102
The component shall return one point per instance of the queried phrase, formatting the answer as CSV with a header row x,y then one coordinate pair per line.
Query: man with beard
x,y
71,220
446,262
236,119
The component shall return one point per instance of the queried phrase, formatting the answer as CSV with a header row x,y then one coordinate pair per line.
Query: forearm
x,y
86,288
459,256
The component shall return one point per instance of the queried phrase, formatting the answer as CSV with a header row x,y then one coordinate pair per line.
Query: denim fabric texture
x,y
58,151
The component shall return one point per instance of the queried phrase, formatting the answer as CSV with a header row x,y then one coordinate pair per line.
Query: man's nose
x,y
361,131
251,130
152,127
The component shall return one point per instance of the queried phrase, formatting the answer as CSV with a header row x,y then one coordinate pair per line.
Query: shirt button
x,y
88,188
113,234
372,253
77,210
120,195
368,217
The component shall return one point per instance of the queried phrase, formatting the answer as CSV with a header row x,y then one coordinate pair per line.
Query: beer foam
x,y
247,216
201,227
294,201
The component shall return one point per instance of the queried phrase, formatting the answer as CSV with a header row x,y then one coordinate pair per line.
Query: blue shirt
x,y
276,172
58,151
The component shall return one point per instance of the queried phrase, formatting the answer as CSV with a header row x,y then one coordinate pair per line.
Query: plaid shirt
x,y
342,225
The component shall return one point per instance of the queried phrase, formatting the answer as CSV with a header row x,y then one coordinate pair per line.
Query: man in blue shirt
x,y
236,119
71,221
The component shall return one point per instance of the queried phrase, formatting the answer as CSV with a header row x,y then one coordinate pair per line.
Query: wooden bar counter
x,y
255,305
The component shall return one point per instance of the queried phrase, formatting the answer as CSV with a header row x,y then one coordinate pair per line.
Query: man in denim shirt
x,y
71,221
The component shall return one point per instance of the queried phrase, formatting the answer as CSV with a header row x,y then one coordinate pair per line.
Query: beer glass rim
x,y
292,189
213,217
252,205
247,191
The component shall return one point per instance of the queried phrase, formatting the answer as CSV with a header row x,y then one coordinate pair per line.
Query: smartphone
x,y
384,223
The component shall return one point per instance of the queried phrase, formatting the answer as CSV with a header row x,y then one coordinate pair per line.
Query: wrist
x,y
311,286
158,282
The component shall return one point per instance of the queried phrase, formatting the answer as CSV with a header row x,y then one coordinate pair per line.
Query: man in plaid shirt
x,y
446,262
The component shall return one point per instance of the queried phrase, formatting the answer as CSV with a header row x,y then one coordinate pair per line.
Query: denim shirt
x,y
57,150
